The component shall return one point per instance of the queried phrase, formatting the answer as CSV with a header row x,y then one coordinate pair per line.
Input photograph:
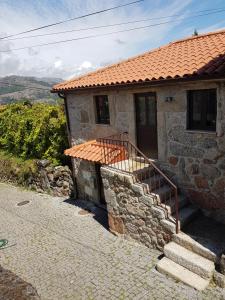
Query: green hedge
x,y
34,131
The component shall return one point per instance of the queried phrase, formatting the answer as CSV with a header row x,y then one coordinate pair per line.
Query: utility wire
x,y
104,34
24,86
215,10
72,19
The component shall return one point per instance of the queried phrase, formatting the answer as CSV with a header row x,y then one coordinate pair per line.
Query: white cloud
x,y
85,65
58,64
73,58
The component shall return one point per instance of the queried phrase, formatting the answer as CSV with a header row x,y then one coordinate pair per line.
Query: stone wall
x,y
82,117
133,214
44,178
195,160
55,180
86,180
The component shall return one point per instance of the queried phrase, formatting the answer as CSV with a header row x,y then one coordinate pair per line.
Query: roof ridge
x,y
198,36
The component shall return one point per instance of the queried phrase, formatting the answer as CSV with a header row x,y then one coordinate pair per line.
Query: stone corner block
x,y
169,226
158,212
137,188
219,279
222,264
107,172
128,179
147,200
116,224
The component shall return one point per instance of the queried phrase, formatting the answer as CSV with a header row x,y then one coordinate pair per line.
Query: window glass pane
x,y
211,111
141,111
197,108
102,109
202,109
151,111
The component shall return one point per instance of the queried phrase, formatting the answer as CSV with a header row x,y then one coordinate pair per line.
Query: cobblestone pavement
x,y
65,255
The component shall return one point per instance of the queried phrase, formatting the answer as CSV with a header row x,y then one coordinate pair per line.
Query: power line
x,y
72,19
215,10
105,34
24,86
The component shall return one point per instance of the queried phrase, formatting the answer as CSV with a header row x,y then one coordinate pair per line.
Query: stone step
x,y
142,159
169,267
163,193
186,214
139,158
189,260
189,243
169,225
171,204
144,173
154,182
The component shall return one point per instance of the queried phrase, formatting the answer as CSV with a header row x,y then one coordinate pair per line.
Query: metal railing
x,y
127,158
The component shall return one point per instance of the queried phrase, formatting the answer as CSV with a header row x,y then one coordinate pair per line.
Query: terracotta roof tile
x,y
97,152
203,54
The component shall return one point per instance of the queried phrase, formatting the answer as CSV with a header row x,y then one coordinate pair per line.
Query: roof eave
x,y
143,83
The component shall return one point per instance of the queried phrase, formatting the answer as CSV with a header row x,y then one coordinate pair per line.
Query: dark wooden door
x,y
146,124
100,184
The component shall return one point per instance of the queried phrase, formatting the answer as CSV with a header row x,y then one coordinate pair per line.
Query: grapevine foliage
x,y
34,131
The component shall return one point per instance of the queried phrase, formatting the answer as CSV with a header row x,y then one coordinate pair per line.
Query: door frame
x,y
156,116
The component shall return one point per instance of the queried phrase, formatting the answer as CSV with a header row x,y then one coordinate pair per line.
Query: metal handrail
x,y
122,140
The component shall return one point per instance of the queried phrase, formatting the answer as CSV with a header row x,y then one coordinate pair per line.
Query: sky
x,y
71,59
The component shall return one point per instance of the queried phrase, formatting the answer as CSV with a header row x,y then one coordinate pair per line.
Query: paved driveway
x,y
68,256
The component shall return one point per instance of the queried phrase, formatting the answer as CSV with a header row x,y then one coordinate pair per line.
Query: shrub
x,y
16,170
34,131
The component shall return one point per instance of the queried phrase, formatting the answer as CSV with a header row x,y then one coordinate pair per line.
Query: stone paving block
x,y
67,256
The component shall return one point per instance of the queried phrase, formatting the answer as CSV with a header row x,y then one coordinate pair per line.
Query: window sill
x,y
201,131
105,125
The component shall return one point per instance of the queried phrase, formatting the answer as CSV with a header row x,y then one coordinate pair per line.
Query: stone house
x,y
148,140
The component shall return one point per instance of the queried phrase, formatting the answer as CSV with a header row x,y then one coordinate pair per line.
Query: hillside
x,y
15,88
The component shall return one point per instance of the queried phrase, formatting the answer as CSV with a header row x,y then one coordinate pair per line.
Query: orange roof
x,y
199,55
97,152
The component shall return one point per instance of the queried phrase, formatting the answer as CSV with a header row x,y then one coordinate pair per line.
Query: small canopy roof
x,y
104,153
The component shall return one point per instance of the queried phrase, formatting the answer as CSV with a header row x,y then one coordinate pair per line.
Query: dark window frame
x,y
207,95
100,117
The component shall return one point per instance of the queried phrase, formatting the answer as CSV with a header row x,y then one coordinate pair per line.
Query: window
x,y
102,109
202,110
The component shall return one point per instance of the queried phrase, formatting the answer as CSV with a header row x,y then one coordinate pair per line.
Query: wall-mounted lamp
x,y
169,99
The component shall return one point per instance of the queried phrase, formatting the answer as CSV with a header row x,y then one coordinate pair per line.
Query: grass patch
x,y
15,169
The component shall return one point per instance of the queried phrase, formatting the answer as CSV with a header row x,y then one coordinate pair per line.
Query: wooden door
x,y
100,184
146,124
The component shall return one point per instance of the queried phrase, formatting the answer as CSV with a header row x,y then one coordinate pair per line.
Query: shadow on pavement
x,y
99,213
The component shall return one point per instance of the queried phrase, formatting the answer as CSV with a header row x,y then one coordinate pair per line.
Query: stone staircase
x,y
156,186
188,261
184,258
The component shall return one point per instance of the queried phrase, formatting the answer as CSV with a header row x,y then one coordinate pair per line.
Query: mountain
x,y
15,88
